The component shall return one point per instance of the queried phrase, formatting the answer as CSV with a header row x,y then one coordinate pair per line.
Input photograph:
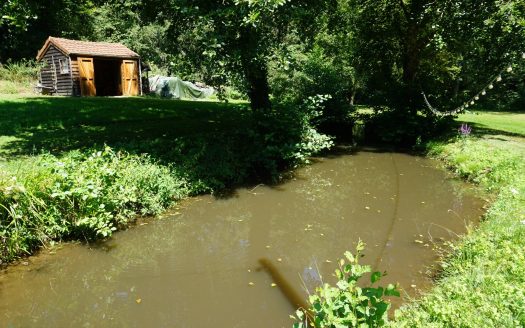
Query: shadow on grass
x,y
479,129
56,125
213,145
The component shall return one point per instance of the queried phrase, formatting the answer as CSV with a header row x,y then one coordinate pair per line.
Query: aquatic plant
x,y
347,304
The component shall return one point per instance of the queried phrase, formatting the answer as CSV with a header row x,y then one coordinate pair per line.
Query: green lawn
x,y
507,122
29,125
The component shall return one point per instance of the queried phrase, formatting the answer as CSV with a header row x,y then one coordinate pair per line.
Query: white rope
x,y
471,101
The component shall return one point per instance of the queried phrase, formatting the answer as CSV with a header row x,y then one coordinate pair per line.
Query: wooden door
x,y
130,78
87,76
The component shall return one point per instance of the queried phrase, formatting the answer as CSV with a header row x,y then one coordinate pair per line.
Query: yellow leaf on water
x,y
273,285
251,284
138,300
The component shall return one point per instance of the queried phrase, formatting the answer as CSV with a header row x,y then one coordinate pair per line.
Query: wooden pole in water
x,y
288,291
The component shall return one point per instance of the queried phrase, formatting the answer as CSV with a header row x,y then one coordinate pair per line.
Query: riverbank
x,y
81,168
483,279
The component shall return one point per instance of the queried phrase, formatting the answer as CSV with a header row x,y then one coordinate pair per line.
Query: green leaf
x,y
376,276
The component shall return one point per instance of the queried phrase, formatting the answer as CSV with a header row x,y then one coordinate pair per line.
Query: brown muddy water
x,y
214,262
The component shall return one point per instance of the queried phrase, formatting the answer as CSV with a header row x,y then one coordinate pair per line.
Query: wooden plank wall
x,y
75,73
64,82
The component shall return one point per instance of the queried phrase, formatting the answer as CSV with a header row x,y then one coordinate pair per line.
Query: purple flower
x,y
465,130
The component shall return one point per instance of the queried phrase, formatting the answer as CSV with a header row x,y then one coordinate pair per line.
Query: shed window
x,y
64,66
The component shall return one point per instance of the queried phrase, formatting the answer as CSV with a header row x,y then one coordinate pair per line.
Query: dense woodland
x,y
380,53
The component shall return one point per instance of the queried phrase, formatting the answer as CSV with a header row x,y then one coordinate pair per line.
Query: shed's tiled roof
x,y
86,48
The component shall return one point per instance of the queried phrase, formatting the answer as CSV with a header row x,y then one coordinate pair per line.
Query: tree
x,y
401,44
234,38
16,13
30,22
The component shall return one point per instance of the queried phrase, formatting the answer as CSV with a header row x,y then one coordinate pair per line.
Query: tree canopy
x,y
374,51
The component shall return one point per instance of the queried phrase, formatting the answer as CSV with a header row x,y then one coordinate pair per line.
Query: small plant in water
x,y
347,304
465,130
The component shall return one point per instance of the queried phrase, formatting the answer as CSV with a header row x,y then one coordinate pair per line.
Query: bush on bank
x,y
84,196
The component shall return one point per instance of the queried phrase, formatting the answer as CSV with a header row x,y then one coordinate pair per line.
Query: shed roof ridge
x,y
88,48
85,41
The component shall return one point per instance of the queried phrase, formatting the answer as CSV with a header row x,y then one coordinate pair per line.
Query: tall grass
x,y
17,77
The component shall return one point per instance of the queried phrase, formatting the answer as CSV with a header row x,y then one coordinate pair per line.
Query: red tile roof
x,y
86,48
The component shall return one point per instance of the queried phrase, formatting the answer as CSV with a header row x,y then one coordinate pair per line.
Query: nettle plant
x,y
347,304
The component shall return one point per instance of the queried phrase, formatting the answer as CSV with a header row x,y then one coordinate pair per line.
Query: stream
x,y
242,260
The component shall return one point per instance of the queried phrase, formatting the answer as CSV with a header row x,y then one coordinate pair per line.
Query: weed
x,y
347,304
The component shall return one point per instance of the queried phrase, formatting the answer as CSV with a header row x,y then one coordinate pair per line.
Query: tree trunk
x,y
254,69
352,97
256,75
410,68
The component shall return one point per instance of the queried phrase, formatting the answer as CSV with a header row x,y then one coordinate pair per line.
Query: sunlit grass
x,y
510,122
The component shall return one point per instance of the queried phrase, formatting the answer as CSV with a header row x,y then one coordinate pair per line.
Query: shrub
x,y
347,304
81,195
271,141
302,74
402,128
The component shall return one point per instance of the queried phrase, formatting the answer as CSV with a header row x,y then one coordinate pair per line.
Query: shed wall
x,y
75,74
64,83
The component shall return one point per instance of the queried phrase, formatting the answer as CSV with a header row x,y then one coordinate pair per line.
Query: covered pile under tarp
x,y
173,87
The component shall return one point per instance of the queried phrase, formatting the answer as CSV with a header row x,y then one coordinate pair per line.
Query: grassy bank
x,y
79,168
483,280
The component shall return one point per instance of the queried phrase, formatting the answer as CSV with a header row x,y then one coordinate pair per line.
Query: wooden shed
x,y
81,68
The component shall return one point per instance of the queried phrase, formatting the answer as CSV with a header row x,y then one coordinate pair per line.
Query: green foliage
x,y
299,76
402,128
16,13
23,71
121,22
79,195
347,304
269,143
62,18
